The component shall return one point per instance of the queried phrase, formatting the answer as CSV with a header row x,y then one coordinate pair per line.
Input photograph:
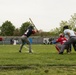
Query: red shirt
x,y
61,40
1,38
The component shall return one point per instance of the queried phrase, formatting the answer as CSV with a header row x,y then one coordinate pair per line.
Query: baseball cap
x,y
65,27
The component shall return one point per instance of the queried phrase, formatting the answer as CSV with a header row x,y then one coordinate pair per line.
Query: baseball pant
x,y
24,40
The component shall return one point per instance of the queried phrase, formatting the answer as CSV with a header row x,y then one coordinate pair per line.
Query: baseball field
x,y
44,60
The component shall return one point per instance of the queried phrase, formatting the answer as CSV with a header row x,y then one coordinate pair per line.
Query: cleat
x,y
60,52
20,51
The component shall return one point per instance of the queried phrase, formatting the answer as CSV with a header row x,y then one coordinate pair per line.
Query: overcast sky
x,y
46,14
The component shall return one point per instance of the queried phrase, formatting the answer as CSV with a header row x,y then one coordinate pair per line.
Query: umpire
x,y
71,40
30,30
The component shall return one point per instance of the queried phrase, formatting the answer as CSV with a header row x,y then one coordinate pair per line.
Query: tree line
x,y
71,23
8,29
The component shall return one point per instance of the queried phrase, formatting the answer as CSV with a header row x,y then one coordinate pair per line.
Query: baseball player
x,y
61,40
30,30
71,40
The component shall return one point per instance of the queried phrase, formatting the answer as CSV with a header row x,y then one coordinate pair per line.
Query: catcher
x,y
61,41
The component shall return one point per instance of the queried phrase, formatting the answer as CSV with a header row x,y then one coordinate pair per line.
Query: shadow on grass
x,y
32,66
16,67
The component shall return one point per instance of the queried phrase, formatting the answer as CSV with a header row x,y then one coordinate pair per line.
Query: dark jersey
x,y
29,32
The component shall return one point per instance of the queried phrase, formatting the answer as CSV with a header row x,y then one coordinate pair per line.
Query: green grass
x,y
44,60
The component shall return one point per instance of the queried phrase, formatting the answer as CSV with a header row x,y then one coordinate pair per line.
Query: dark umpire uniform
x,y
30,30
71,40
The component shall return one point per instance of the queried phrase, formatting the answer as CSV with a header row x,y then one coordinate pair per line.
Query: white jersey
x,y
69,31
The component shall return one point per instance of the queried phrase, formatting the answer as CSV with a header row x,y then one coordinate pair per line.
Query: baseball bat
x,y
33,24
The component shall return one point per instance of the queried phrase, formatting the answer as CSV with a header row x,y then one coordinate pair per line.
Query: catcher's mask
x,y
61,35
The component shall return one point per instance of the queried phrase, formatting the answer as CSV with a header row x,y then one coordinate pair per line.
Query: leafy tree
x,y
0,30
54,32
43,34
71,23
62,24
7,28
24,27
16,32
